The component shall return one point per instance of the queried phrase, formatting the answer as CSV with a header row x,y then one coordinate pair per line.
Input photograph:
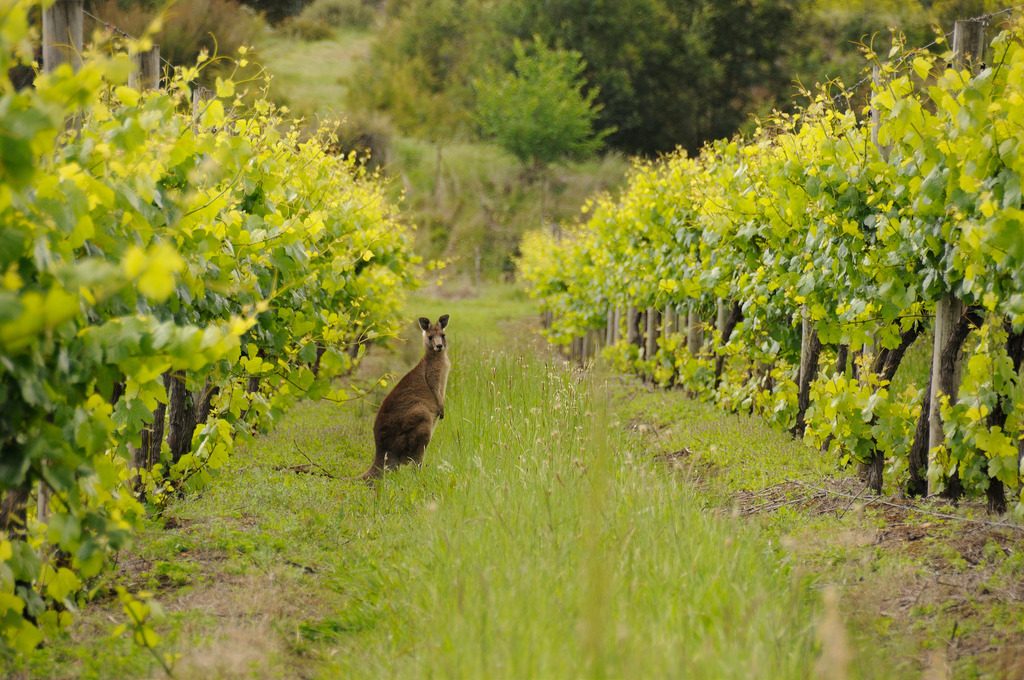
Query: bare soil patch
x,y
941,578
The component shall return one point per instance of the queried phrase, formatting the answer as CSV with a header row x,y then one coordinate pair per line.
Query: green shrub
x,y
309,30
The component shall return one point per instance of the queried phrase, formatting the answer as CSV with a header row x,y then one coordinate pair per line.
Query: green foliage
x,y
473,206
310,30
423,64
811,217
311,78
979,449
540,113
670,72
140,244
831,34
661,66
857,418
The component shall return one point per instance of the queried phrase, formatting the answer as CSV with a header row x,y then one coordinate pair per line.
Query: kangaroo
x,y
407,416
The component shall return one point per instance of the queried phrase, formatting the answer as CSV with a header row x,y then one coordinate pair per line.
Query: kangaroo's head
x,y
433,334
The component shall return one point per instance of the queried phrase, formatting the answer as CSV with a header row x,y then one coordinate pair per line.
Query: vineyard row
x,y
790,273
175,272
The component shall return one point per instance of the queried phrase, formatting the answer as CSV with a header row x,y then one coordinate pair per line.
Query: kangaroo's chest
x,y
437,377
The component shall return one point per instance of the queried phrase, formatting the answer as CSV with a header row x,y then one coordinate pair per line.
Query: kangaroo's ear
x,y
443,321
424,323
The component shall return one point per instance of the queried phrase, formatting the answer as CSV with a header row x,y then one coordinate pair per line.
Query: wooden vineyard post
x,y
668,321
146,74
810,351
62,34
950,314
633,326
651,337
947,314
842,358
729,315
694,330
199,95
62,44
181,415
968,42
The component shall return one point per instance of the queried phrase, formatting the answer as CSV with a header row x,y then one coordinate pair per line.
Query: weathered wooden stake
x,y
651,336
968,50
668,322
810,351
199,95
969,43
62,34
947,312
181,415
633,326
694,330
146,74
62,44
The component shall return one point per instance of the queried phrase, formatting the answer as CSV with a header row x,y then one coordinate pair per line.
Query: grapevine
x,y
205,270
826,227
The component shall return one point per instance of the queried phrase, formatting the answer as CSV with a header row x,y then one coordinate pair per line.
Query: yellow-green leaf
x,y
225,88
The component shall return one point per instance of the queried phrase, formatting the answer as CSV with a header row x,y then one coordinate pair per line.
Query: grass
x,y
736,452
922,587
311,76
548,535
539,540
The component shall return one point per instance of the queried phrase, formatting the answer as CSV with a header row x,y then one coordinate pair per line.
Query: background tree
x,y
670,72
421,68
541,112
422,65
829,32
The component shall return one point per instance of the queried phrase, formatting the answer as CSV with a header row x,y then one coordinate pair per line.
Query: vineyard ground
x,y
922,585
714,541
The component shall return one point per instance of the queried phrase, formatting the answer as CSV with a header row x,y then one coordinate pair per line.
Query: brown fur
x,y
407,416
